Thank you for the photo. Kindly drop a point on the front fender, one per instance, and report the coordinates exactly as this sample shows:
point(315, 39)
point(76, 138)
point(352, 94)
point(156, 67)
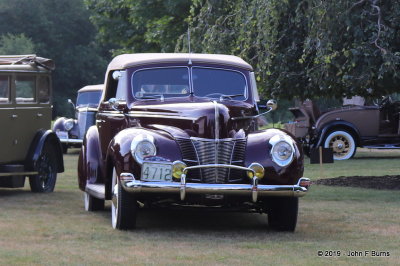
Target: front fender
point(41, 138)
point(119, 152)
point(258, 150)
point(59, 124)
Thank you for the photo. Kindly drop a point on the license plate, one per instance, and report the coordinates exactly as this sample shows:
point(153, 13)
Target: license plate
point(62, 134)
point(156, 172)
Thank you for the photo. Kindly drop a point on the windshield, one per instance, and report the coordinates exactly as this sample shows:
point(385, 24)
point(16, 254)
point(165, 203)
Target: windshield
point(214, 82)
point(175, 81)
point(88, 98)
point(164, 82)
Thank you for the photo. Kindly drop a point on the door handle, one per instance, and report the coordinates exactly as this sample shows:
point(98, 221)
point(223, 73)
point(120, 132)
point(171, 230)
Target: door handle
point(39, 115)
point(14, 116)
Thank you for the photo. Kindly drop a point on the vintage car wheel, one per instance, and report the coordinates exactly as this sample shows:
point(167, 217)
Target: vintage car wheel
point(123, 206)
point(342, 143)
point(46, 166)
point(282, 213)
point(93, 203)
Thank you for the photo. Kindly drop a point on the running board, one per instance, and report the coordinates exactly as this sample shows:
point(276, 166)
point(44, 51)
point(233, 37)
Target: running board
point(383, 146)
point(96, 190)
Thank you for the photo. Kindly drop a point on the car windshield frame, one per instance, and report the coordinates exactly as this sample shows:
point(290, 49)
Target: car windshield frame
point(192, 90)
point(88, 104)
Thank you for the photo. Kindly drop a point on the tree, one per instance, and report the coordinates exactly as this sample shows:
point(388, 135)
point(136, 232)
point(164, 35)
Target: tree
point(16, 44)
point(140, 26)
point(60, 30)
point(305, 48)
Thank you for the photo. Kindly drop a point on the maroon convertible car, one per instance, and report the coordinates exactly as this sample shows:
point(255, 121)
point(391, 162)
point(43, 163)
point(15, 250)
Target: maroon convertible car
point(181, 130)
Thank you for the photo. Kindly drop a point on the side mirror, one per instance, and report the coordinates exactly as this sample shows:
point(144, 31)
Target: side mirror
point(115, 103)
point(272, 104)
point(71, 102)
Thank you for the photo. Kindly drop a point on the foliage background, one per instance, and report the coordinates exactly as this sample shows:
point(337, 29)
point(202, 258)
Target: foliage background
point(299, 48)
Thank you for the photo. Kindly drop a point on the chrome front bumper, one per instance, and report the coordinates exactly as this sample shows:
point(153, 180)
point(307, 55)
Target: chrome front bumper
point(253, 190)
point(71, 141)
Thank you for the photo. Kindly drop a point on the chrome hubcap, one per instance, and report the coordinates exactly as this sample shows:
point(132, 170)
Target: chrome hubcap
point(340, 145)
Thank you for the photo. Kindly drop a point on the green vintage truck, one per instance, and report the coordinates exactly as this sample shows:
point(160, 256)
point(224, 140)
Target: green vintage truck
point(28, 147)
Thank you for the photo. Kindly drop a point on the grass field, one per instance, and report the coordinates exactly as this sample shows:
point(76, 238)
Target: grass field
point(53, 229)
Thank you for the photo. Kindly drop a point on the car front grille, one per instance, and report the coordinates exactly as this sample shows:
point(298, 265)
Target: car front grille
point(198, 151)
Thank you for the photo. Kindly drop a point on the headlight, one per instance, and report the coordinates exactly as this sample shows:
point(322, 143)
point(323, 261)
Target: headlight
point(68, 124)
point(143, 146)
point(282, 150)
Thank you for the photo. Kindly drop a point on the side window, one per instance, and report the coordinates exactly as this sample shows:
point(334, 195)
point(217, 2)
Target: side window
point(121, 88)
point(111, 87)
point(25, 89)
point(4, 89)
point(43, 89)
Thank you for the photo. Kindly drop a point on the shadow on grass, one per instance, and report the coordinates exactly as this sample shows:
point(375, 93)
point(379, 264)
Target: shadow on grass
point(10, 192)
point(198, 222)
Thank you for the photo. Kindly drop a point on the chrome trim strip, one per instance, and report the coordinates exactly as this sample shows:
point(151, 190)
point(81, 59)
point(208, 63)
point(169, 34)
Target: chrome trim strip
point(139, 187)
point(72, 141)
point(136, 114)
point(218, 166)
point(216, 136)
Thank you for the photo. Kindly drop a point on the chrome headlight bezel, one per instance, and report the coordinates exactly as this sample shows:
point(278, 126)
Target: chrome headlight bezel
point(277, 142)
point(68, 124)
point(138, 142)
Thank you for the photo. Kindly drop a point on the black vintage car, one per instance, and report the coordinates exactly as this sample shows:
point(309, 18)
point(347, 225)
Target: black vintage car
point(181, 130)
point(28, 147)
point(72, 131)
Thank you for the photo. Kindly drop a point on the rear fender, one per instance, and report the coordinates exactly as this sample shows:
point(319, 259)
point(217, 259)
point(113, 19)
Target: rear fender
point(338, 125)
point(41, 138)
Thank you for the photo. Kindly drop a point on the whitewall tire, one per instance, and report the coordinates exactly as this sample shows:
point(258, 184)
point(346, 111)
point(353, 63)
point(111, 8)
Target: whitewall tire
point(342, 143)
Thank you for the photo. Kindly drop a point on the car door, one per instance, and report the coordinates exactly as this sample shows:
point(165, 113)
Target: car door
point(111, 120)
point(32, 110)
point(7, 116)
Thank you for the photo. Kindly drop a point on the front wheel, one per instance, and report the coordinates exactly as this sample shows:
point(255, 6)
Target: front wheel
point(123, 206)
point(282, 213)
point(46, 166)
point(342, 143)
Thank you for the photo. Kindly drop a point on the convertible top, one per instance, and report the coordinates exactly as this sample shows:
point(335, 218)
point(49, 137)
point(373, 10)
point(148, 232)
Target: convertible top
point(129, 60)
point(31, 60)
point(97, 87)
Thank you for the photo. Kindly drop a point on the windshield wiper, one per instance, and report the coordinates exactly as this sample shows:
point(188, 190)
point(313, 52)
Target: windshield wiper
point(232, 96)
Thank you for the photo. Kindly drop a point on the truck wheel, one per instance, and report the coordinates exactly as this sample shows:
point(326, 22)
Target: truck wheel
point(46, 166)
point(342, 143)
point(282, 213)
point(93, 203)
point(123, 206)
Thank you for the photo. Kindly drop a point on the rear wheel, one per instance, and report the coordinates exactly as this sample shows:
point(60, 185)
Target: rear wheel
point(282, 213)
point(342, 143)
point(46, 167)
point(123, 206)
point(92, 203)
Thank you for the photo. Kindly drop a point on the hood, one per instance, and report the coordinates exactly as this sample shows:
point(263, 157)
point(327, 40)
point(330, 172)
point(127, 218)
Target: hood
point(196, 117)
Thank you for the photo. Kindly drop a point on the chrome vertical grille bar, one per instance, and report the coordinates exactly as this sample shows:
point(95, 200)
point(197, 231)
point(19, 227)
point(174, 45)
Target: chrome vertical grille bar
point(198, 151)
